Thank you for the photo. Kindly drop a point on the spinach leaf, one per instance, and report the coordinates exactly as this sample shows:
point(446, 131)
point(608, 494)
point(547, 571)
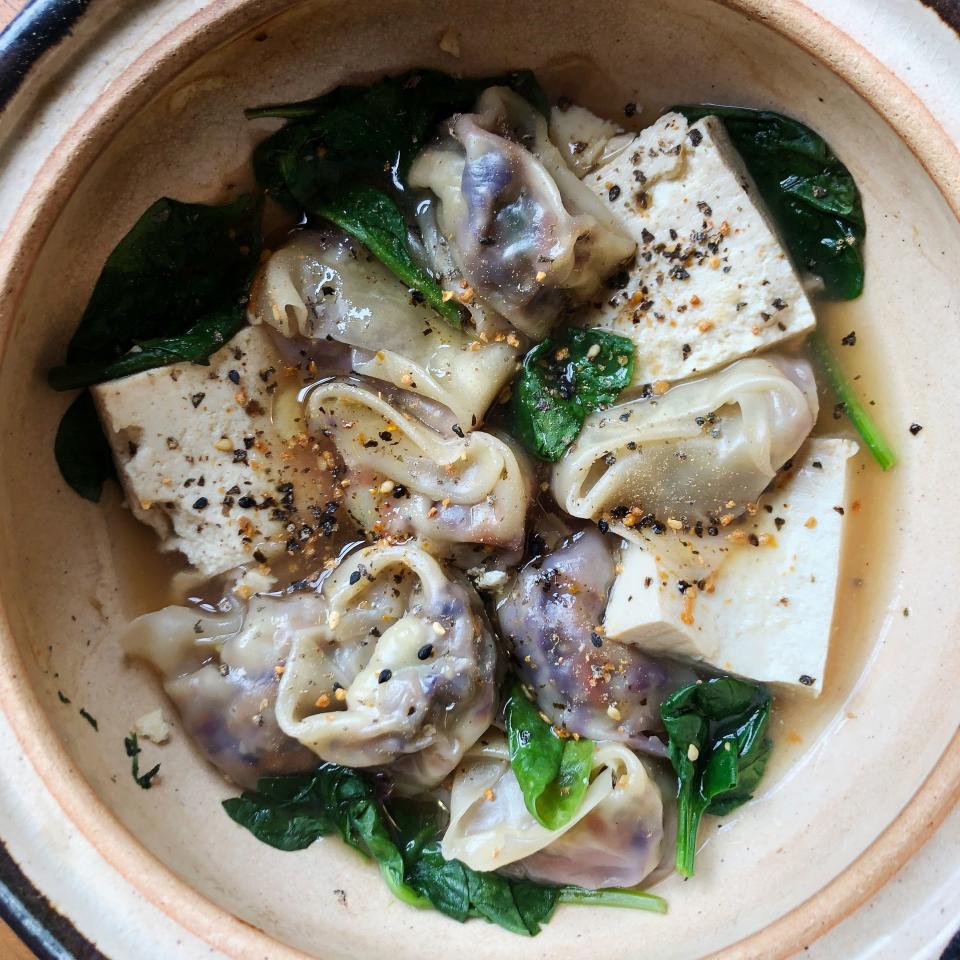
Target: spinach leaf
point(133, 749)
point(195, 344)
point(172, 289)
point(553, 774)
point(562, 381)
point(810, 193)
point(372, 218)
point(353, 135)
point(719, 749)
point(401, 836)
point(349, 133)
point(81, 449)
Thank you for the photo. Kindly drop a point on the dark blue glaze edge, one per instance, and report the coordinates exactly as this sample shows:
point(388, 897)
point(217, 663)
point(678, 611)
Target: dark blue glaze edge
point(39, 27)
point(30, 915)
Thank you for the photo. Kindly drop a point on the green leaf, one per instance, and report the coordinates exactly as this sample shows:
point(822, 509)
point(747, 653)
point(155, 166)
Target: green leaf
point(291, 812)
point(350, 133)
point(180, 266)
point(810, 193)
point(195, 344)
point(553, 774)
point(372, 218)
point(82, 452)
point(561, 383)
point(719, 749)
point(852, 405)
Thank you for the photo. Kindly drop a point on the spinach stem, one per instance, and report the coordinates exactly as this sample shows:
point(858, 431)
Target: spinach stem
point(688, 824)
point(614, 897)
point(852, 405)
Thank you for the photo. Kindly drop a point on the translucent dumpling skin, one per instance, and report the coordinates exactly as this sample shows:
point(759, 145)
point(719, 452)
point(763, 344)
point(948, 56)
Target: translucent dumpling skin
point(527, 235)
point(704, 450)
point(323, 286)
point(613, 839)
point(551, 622)
point(400, 672)
point(221, 672)
point(407, 478)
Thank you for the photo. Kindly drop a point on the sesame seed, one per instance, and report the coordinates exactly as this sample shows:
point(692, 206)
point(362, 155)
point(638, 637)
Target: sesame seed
point(692, 753)
point(384, 676)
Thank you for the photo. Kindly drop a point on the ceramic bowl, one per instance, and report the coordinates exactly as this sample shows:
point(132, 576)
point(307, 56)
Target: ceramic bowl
point(143, 101)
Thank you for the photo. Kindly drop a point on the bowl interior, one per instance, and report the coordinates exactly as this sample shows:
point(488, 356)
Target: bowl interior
point(72, 572)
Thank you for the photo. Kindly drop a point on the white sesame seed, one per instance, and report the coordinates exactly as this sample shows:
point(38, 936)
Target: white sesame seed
point(593, 351)
point(438, 629)
point(613, 713)
point(692, 753)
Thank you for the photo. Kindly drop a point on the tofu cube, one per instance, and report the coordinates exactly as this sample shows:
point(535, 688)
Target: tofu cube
point(200, 458)
point(764, 611)
point(711, 282)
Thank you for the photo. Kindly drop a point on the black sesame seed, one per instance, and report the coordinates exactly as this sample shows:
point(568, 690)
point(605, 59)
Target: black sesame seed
point(200, 503)
point(629, 109)
point(354, 577)
point(613, 193)
point(778, 522)
point(850, 339)
point(384, 676)
point(425, 652)
point(458, 430)
point(807, 680)
point(400, 490)
point(246, 502)
point(754, 540)
point(596, 639)
point(915, 428)
point(603, 526)
point(234, 376)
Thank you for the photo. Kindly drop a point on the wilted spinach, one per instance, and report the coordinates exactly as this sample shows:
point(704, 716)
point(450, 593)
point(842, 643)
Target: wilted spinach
point(333, 144)
point(562, 381)
point(173, 289)
point(401, 836)
point(719, 749)
point(81, 449)
point(810, 193)
point(553, 774)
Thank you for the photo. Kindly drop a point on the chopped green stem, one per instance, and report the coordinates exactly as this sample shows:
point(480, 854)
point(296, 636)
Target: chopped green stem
point(614, 897)
point(852, 405)
point(688, 824)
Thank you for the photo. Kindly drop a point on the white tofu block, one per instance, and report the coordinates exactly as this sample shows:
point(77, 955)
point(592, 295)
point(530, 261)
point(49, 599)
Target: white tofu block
point(764, 608)
point(200, 459)
point(711, 282)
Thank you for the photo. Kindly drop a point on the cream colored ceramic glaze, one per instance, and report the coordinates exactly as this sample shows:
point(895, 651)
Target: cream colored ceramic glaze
point(846, 770)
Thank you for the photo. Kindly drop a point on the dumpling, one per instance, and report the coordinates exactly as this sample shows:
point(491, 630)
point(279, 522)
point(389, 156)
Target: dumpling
point(527, 235)
point(401, 672)
point(406, 478)
point(702, 452)
point(324, 286)
point(613, 840)
point(221, 670)
point(552, 624)
point(585, 140)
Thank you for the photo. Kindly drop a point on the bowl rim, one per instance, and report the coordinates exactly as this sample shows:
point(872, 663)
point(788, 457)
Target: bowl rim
point(20, 245)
